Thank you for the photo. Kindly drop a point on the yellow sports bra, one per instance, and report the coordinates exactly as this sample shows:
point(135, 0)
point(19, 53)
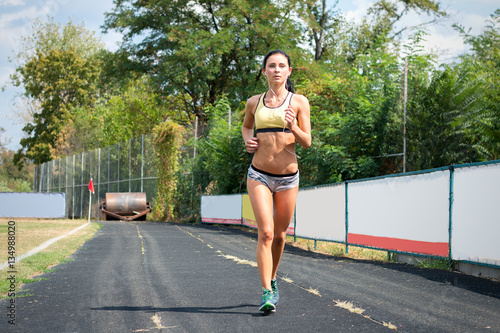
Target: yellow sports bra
point(269, 119)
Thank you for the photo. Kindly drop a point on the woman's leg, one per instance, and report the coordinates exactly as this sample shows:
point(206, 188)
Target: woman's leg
point(284, 206)
point(262, 205)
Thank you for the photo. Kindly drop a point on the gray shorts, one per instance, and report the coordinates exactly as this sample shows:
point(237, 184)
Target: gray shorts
point(275, 183)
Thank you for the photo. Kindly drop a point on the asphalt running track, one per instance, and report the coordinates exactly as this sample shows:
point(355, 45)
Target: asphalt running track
point(164, 277)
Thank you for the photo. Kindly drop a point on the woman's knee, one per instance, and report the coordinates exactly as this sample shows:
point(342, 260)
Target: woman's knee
point(279, 238)
point(266, 236)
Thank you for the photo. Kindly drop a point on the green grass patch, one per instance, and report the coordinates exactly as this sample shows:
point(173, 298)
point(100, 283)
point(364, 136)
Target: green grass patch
point(30, 234)
point(443, 264)
point(339, 250)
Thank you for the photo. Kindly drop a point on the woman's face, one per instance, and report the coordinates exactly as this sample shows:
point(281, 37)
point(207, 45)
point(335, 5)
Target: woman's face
point(277, 69)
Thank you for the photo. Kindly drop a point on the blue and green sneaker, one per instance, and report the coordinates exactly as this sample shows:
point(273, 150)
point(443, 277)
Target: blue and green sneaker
point(267, 301)
point(276, 295)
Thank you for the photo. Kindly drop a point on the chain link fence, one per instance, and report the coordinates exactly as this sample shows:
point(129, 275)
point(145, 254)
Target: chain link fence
point(123, 167)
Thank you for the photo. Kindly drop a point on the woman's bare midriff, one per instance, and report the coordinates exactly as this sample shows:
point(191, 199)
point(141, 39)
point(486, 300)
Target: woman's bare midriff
point(271, 155)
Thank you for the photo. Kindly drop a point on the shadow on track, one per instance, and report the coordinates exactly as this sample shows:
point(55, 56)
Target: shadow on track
point(187, 309)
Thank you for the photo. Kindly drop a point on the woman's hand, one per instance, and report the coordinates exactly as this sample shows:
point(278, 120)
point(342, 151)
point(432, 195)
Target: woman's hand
point(301, 128)
point(290, 117)
point(252, 144)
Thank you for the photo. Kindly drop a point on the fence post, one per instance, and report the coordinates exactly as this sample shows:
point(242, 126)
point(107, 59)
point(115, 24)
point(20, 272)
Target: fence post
point(346, 219)
point(66, 183)
point(73, 192)
point(98, 182)
point(81, 187)
point(118, 178)
point(109, 168)
point(450, 221)
point(129, 165)
point(142, 163)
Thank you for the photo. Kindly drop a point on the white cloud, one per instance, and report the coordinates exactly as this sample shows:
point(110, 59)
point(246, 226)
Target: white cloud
point(361, 7)
point(12, 3)
point(15, 24)
point(7, 19)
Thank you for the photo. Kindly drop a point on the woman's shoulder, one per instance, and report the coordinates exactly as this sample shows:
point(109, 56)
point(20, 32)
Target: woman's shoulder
point(253, 101)
point(301, 100)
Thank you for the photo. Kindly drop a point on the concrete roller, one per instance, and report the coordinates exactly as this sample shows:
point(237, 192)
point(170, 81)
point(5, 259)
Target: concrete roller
point(126, 206)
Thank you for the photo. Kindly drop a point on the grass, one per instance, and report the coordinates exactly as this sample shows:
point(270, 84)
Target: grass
point(443, 264)
point(30, 233)
point(339, 250)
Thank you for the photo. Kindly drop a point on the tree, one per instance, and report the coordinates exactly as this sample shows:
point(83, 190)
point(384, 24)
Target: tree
point(481, 122)
point(393, 11)
point(59, 80)
point(320, 23)
point(200, 50)
point(47, 35)
point(135, 110)
point(58, 69)
point(432, 111)
point(381, 23)
point(11, 178)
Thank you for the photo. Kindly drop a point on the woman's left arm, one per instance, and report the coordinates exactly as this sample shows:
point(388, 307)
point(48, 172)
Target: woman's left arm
point(302, 129)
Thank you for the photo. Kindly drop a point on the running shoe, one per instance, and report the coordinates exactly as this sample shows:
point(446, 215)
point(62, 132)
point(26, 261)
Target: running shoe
point(276, 294)
point(267, 301)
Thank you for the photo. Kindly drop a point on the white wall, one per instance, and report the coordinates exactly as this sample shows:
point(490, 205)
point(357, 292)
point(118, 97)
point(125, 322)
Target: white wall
point(33, 205)
point(221, 208)
point(405, 213)
point(476, 214)
point(320, 213)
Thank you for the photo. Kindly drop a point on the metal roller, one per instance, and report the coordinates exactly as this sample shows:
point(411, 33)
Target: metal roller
point(126, 206)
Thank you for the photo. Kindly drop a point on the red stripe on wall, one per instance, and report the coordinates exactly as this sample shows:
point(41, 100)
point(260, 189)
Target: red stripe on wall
point(398, 244)
point(220, 221)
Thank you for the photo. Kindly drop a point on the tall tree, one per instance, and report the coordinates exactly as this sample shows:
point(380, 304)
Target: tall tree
point(394, 11)
point(47, 35)
point(382, 23)
point(481, 121)
point(60, 80)
point(200, 50)
point(57, 67)
point(320, 21)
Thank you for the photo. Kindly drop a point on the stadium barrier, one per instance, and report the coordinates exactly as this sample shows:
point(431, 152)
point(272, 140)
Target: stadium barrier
point(451, 212)
point(32, 205)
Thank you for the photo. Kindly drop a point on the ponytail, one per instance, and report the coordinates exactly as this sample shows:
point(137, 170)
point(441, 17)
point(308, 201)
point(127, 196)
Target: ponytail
point(289, 86)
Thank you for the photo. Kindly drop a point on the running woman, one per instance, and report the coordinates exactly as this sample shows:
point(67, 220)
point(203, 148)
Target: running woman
point(281, 118)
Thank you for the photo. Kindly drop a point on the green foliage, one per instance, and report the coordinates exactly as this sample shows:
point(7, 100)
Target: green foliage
point(46, 36)
point(222, 158)
point(11, 178)
point(167, 141)
point(481, 120)
point(132, 112)
point(352, 115)
point(201, 50)
point(57, 68)
point(59, 80)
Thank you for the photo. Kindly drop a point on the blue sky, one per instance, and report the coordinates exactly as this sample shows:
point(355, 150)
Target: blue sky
point(17, 16)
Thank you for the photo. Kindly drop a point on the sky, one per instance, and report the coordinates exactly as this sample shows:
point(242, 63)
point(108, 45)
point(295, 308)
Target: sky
point(17, 16)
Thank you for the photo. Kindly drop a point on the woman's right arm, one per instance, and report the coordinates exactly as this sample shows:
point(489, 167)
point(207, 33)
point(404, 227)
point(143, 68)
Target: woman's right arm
point(251, 142)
